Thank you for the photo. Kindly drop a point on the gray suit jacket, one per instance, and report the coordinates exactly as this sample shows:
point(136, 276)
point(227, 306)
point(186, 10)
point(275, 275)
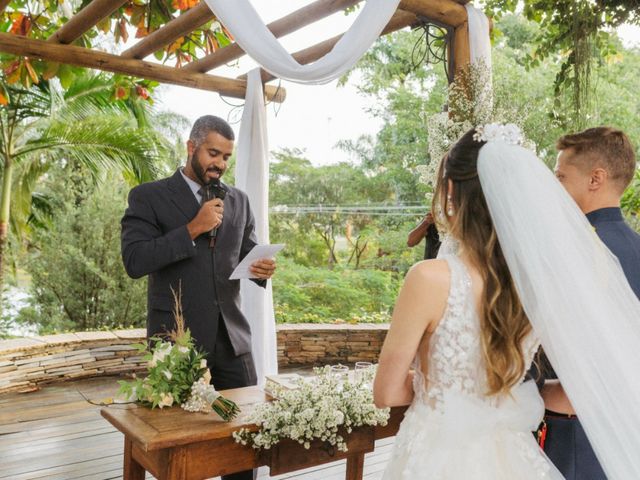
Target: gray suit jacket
point(155, 242)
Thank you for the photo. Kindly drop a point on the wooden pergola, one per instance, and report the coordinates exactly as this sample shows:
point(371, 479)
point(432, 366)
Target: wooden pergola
point(59, 47)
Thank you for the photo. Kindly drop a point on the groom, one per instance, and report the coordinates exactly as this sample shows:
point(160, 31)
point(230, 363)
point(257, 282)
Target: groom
point(595, 167)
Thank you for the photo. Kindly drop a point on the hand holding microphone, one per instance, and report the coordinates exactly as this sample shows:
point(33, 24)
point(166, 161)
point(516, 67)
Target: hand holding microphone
point(210, 216)
point(215, 192)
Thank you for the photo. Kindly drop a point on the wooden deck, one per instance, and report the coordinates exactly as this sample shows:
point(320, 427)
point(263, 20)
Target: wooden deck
point(55, 434)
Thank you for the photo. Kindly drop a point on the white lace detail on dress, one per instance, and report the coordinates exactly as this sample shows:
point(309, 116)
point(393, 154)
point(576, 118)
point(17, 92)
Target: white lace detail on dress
point(452, 430)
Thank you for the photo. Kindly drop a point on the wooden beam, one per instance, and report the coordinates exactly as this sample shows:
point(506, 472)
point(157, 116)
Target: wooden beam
point(284, 26)
point(83, 57)
point(461, 49)
point(176, 28)
point(398, 21)
point(84, 20)
point(4, 4)
point(447, 12)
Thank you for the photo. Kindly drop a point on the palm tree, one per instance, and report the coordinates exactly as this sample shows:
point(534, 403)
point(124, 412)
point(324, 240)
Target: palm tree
point(82, 125)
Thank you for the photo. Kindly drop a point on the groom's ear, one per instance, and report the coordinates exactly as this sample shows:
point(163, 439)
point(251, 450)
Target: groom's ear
point(598, 178)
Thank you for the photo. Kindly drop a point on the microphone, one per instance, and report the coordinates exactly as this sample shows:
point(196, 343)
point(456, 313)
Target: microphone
point(214, 190)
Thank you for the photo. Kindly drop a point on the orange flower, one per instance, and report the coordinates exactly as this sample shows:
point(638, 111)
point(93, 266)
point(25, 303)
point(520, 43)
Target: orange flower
point(184, 4)
point(142, 92)
point(121, 93)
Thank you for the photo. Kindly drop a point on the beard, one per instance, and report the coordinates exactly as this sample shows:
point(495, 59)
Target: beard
point(199, 170)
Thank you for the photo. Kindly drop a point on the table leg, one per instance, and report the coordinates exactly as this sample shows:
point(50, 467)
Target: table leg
point(355, 467)
point(132, 469)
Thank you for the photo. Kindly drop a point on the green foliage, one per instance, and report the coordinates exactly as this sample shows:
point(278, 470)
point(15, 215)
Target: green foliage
point(78, 281)
point(315, 295)
point(173, 370)
point(308, 201)
point(575, 34)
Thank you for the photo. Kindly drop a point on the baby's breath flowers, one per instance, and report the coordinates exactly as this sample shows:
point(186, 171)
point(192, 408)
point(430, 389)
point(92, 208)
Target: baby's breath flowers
point(321, 408)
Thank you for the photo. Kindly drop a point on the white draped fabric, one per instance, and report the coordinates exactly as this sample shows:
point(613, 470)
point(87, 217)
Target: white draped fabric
point(479, 41)
point(252, 176)
point(259, 43)
point(480, 55)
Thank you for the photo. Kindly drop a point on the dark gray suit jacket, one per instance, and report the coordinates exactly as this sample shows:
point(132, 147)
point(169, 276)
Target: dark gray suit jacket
point(155, 242)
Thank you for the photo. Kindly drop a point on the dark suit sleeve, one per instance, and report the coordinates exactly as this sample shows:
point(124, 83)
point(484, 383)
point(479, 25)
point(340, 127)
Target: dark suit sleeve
point(145, 248)
point(249, 239)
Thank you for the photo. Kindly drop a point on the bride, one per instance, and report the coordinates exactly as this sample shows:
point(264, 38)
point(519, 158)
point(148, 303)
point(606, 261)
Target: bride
point(529, 270)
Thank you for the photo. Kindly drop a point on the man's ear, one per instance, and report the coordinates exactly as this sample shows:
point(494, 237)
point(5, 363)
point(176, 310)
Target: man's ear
point(191, 148)
point(598, 178)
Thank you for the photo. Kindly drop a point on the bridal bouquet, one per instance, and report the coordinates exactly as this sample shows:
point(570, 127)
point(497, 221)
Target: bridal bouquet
point(178, 375)
point(321, 408)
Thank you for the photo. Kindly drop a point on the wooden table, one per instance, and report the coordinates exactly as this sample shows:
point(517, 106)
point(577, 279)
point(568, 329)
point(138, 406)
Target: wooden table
point(173, 444)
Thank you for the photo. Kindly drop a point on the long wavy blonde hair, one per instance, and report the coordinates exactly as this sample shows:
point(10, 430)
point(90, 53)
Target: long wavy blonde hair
point(503, 323)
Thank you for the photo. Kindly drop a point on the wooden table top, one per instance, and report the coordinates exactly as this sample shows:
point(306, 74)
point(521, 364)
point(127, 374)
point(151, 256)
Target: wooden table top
point(157, 428)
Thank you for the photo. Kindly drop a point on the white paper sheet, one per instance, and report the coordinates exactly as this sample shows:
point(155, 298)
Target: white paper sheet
point(258, 252)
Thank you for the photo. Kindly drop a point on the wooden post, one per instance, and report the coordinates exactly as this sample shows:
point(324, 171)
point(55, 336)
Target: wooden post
point(176, 28)
point(84, 57)
point(461, 52)
point(4, 4)
point(132, 469)
point(355, 467)
point(84, 20)
point(447, 12)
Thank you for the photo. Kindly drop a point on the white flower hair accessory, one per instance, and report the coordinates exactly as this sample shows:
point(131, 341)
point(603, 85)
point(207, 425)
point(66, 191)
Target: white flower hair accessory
point(496, 132)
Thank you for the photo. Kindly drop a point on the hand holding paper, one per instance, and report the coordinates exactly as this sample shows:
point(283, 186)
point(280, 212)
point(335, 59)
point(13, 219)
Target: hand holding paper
point(258, 263)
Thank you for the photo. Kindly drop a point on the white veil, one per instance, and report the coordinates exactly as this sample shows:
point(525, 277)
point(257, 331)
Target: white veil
point(576, 297)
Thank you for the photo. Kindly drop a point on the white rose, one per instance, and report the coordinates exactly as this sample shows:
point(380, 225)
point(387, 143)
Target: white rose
point(203, 363)
point(166, 400)
point(167, 374)
point(183, 349)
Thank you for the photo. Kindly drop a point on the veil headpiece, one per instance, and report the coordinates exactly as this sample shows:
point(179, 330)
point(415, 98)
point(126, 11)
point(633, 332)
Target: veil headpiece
point(573, 291)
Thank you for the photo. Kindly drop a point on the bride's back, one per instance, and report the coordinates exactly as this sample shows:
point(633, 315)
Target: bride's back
point(450, 359)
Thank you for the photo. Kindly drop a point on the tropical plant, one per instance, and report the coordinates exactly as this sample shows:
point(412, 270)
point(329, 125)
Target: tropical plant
point(45, 125)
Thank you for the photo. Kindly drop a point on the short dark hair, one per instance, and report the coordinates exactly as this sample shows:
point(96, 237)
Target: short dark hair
point(604, 147)
point(207, 124)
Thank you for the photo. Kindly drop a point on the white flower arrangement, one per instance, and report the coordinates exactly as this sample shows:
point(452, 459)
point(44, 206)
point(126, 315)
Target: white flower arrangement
point(177, 375)
point(495, 132)
point(321, 408)
point(470, 103)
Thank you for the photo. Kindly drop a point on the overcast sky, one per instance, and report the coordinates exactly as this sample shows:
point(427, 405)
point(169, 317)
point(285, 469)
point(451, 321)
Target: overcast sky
point(313, 117)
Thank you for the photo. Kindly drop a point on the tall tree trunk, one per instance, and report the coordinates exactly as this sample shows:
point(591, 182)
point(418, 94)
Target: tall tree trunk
point(5, 204)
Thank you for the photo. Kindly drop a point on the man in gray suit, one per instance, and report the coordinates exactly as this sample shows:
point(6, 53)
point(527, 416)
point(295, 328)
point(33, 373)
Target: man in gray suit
point(165, 235)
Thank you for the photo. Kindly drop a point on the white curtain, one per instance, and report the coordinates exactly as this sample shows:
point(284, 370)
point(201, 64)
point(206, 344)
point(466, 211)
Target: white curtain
point(252, 176)
point(259, 43)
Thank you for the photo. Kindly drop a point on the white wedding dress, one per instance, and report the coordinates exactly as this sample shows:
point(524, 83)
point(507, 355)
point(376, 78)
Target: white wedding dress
point(452, 430)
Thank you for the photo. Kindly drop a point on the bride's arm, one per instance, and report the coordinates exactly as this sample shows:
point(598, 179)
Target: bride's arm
point(420, 305)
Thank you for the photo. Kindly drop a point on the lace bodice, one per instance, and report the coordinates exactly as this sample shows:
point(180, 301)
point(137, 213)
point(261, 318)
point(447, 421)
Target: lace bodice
point(455, 353)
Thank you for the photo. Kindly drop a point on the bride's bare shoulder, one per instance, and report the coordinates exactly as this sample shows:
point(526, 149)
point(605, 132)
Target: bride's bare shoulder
point(436, 270)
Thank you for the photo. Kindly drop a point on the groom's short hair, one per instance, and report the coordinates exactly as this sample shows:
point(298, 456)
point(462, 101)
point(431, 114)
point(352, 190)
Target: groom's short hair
point(604, 147)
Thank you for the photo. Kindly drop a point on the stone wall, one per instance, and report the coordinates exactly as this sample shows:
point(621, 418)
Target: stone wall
point(26, 363)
